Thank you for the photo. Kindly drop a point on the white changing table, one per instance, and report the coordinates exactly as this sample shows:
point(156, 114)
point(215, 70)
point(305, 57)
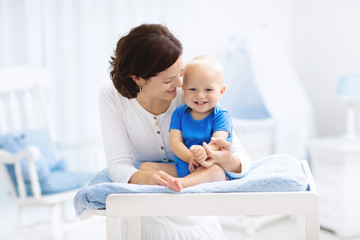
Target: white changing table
point(305, 205)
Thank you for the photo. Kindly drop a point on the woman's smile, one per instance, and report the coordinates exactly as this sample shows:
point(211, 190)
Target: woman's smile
point(171, 91)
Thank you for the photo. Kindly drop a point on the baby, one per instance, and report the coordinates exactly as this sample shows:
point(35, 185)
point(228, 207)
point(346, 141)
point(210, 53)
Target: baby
point(194, 124)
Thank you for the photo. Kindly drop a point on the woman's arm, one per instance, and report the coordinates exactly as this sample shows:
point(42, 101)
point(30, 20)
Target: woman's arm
point(117, 146)
point(240, 154)
point(223, 156)
point(216, 135)
point(236, 161)
point(232, 157)
point(199, 153)
point(116, 143)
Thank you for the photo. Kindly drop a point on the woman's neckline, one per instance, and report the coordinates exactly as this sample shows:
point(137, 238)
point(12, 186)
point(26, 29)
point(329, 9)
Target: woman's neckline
point(162, 109)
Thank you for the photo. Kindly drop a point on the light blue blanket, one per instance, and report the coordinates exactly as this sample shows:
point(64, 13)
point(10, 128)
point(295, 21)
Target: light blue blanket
point(275, 173)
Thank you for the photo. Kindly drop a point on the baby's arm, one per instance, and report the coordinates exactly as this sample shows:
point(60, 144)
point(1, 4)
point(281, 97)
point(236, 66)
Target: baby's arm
point(180, 150)
point(178, 147)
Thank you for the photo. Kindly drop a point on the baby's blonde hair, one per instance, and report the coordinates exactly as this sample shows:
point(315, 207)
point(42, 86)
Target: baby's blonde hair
point(209, 62)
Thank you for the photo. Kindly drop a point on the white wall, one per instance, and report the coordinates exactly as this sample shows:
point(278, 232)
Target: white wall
point(325, 38)
point(320, 36)
point(74, 39)
point(208, 24)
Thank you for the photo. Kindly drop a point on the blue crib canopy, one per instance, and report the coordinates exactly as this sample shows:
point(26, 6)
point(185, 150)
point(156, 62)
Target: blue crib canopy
point(261, 83)
point(242, 97)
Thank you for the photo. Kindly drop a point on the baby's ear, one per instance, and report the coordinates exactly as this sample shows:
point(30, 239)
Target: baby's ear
point(222, 90)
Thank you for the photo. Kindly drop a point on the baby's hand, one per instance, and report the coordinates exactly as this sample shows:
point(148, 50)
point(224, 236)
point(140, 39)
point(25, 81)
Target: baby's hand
point(199, 153)
point(193, 165)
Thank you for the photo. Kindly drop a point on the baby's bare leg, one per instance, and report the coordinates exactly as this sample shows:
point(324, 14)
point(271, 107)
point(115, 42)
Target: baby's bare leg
point(152, 166)
point(202, 175)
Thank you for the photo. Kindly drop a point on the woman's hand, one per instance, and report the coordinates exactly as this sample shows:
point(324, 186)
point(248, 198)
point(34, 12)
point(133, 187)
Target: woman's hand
point(157, 177)
point(223, 156)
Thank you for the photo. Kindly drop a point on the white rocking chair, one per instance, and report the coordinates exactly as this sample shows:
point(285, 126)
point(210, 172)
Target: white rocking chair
point(23, 105)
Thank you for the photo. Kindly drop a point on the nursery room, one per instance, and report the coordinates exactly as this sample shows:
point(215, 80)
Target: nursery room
point(90, 147)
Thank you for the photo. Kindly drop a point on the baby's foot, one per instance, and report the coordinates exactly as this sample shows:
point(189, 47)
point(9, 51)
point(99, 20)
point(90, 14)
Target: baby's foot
point(174, 184)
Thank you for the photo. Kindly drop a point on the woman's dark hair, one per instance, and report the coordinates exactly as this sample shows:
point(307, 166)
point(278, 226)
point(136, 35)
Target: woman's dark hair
point(144, 52)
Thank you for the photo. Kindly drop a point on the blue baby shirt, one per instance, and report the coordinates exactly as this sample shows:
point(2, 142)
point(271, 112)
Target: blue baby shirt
point(195, 132)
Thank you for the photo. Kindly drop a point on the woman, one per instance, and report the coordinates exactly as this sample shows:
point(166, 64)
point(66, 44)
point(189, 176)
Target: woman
point(135, 114)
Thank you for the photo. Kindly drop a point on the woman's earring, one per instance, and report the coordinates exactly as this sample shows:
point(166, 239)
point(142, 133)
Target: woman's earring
point(140, 88)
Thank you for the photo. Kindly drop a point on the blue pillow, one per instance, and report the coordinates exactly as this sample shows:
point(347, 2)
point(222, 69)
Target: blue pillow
point(51, 172)
point(15, 142)
point(61, 181)
point(41, 139)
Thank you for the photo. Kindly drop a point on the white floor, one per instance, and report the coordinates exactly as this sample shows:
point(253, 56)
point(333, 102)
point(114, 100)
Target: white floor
point(280, 229)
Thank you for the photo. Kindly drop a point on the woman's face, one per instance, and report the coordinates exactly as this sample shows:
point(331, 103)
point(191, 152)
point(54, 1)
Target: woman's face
point(163, 85)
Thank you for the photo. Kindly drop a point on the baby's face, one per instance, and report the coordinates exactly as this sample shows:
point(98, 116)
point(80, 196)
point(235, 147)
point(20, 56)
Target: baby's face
point(203, 88)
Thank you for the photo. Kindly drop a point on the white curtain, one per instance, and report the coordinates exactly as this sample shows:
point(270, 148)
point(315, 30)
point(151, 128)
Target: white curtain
point(283, 94)
point(262, 84)
point(74, 40)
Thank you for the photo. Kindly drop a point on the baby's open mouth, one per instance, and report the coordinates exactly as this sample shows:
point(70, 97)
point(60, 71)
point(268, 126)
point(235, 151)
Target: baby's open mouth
point(200, 103)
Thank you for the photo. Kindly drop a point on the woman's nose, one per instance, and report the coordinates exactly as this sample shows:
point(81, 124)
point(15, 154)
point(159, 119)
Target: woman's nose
point(178, 82)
